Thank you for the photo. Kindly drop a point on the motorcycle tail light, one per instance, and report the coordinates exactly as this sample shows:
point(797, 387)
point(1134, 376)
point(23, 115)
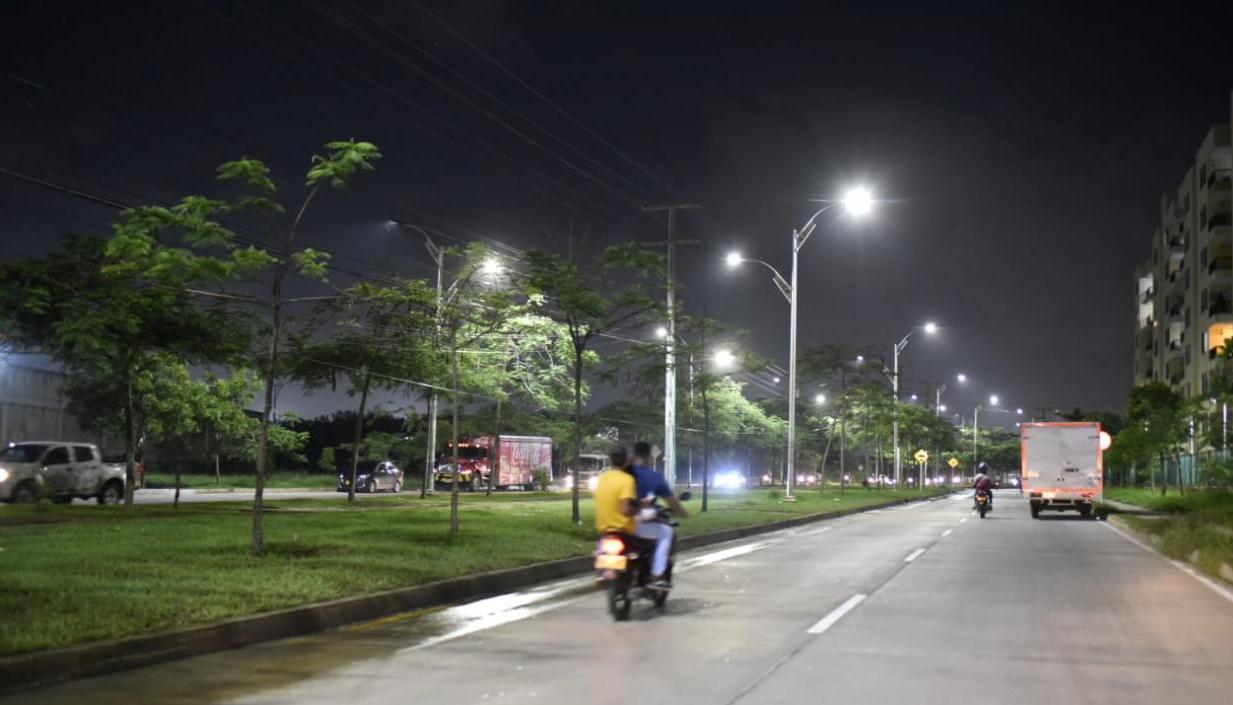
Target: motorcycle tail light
point(611, 546)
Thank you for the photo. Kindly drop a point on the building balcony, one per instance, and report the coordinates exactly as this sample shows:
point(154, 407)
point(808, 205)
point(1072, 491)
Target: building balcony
point(1221, 266)
point(1218, 306)
point(1177, 243)
point(1215, 352)
point(1219, 219)
point(1219, 178)
point(1146, 297)
point(1175, 311)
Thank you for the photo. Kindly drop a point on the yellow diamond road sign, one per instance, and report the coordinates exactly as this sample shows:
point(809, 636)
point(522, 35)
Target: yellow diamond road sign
point(953, 462)
point(922, 456)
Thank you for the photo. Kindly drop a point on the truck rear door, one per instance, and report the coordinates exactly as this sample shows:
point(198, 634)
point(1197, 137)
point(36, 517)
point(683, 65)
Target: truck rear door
point(1062, 460)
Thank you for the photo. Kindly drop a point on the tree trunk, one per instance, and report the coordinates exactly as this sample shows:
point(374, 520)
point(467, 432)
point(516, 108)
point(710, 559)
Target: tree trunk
point(366, 378)
point(575, 514)
point(826, 452)
point(218, 476)
point(175, 502)
point(454, 433)
point(843, 441)
point(267, 410)
point(130, 443)
point(494, 467)
point(1164, 485)
point(706, 448)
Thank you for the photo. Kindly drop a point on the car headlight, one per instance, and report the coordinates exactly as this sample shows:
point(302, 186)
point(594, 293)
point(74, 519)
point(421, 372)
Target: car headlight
point(4, 474)
point(593, 483)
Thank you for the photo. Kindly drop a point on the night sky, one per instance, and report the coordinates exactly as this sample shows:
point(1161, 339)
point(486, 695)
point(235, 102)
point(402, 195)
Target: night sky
point(1021, 152)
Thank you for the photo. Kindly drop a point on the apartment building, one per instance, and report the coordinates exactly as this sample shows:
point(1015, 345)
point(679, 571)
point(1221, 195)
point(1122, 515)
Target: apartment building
point(1184, 293)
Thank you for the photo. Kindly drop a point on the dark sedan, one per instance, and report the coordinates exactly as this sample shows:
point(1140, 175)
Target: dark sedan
point(373, 476)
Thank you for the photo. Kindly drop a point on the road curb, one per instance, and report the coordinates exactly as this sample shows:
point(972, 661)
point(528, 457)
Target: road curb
point(41, 668)
point(1224, 576)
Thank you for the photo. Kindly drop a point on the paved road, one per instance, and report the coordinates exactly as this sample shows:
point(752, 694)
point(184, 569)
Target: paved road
point(1057, 610)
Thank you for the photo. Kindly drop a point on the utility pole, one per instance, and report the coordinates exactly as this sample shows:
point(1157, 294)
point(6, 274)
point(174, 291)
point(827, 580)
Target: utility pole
point(430, 455)
point(670, 338)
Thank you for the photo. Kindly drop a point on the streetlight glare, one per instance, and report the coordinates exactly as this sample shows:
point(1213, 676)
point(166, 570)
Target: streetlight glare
point(661, 332)
point(858, 201)
point(734, 259)
point(1019, 412)
point(775, 380)
point(724, 358)
point(491, 266)
point(860, 358)
point(820, 399)
point(961, 377)
point(913, 397)
point(931, 328)
point(993, 400)
point(942, 408)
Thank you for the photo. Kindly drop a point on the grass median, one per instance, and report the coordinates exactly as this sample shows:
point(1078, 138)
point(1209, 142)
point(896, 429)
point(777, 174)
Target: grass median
point(1195, 527)
point(102, 572)
point(276, 480)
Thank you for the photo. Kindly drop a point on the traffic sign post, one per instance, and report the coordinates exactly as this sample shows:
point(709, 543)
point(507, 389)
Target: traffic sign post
point(922, 457)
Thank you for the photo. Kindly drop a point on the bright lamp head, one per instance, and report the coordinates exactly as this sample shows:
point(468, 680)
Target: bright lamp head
point(931, 328)
point(734, 259)
point(858, 201)
point(724, 359)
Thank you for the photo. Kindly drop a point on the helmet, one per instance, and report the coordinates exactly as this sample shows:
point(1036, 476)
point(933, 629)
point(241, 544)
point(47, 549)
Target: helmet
point(982, 467)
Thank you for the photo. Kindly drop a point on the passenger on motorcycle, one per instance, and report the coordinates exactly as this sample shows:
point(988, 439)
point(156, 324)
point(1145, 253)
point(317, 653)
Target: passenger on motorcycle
point(983, 483)
point(650, 486)
point(616, 496)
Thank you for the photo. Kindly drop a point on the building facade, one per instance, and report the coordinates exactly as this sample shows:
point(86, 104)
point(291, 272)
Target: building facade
point(32, 404)
point(1184, 292)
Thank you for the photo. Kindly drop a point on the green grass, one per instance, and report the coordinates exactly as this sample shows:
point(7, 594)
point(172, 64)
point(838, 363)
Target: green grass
point(162, 480)
point(101, 572)
point(1197, 526)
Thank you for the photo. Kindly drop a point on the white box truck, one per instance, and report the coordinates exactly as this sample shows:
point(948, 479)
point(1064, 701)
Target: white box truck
point(1062, 466)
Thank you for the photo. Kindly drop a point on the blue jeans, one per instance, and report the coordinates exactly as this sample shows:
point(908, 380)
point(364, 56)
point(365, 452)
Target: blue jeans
point(661, 534)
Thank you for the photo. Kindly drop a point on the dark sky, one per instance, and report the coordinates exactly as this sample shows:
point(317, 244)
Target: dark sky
point(1022, 150)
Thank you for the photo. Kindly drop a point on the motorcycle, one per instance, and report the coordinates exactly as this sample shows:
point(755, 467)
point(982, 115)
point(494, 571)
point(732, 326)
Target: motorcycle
point(982, 503)
point(623, 563)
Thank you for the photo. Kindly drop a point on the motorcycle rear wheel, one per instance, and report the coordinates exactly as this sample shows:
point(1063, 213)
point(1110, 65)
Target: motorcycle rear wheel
point(619, 600)
point(982, 511)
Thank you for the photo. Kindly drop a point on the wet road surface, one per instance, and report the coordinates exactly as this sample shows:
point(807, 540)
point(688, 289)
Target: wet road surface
point(892, 606)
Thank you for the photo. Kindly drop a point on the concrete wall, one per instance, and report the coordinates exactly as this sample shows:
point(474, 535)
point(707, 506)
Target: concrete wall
point(32, 405)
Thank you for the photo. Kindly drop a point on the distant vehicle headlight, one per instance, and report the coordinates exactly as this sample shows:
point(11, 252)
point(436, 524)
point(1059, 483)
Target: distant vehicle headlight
point(729, 480)
point(4, 474)
point(569, 482)
point(593, 483)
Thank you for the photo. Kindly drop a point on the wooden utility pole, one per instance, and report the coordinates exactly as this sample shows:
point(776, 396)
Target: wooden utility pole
point(670, 338)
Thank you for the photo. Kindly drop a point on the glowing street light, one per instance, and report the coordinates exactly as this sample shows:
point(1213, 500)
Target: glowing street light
point(491, 267)
point(856, 202)
point(724, 359)
point(661, 332)
point(820, 399)
point(961, 377)
point(929, 328)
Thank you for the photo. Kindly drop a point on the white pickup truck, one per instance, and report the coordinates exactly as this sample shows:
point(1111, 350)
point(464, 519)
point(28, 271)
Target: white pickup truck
point(1062, 466)
point(60, 470)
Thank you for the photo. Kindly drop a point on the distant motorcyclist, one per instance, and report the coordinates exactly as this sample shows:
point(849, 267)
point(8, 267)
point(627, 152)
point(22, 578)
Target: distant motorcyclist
point(983, 483)
point(651, 486)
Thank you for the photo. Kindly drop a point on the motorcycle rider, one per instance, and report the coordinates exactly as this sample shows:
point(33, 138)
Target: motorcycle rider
point(982, 483)
point(616, 496)
point(651, 485)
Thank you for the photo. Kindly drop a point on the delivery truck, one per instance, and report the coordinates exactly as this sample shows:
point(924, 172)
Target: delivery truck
point(1062, 466)
point(516, 464)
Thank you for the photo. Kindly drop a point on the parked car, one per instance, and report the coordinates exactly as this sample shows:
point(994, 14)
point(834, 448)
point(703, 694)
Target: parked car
point(62, 470)
point(372, 476)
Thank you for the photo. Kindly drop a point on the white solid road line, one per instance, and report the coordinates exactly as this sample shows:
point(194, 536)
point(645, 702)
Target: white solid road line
point(946, 533)
point(912, 506)
point(914, 555)
point(963, 520)
point(836, 614)
point(1184, 567)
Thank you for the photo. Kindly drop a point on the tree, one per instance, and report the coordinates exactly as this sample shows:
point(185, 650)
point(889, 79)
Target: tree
point(1163, 417)
point(376, 343)
point(591, 299)
point(116, 312)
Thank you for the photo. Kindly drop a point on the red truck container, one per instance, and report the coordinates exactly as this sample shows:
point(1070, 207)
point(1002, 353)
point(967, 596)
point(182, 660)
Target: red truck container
point(520, 458)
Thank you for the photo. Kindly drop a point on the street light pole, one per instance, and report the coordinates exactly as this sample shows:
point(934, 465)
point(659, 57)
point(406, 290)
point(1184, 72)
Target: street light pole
point(929, 328)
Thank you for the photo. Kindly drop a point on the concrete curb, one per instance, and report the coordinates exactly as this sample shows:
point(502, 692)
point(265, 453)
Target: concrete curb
point(1225, 575)
point(25, 671)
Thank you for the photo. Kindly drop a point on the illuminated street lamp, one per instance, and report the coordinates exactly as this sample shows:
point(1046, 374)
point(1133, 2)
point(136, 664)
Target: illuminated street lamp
point(929, 328)
point(857, 202)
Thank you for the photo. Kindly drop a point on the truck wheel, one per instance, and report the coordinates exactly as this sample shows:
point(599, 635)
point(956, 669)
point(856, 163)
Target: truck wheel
point(25, 493)
point(111, 493)
point(1085, 511)
point(1035, 512)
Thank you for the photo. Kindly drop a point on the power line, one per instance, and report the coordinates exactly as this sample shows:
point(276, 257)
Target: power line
point(487, 57)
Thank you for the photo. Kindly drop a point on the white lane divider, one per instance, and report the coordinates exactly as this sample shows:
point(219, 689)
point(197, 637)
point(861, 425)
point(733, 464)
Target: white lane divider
point(946, 533)
point(836, 614)
point(914, 555)
point(963, 520)
point(915, 505)
point(715, 557)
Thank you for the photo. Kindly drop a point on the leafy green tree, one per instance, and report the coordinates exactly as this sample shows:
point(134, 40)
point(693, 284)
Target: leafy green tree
point(1162, 416)
point(116, 312)
point(591, 299)
point(377, 342)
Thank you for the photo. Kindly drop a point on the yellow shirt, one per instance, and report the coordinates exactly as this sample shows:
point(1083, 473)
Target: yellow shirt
point(614, 485)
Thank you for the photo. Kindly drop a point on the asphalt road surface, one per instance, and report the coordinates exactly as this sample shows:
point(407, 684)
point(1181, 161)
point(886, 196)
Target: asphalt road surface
point(917, 605)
